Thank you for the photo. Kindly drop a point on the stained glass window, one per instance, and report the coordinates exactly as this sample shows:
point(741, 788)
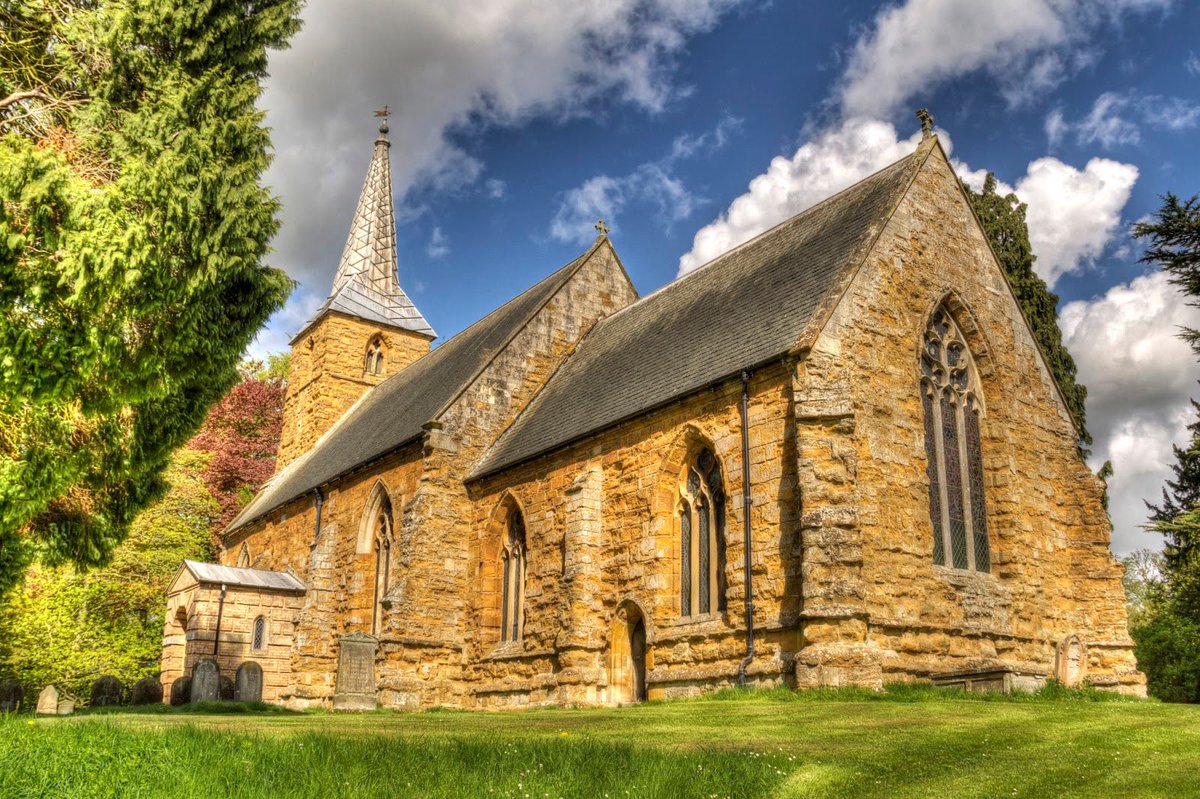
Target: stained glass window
point(702, 537)
point(952, 406)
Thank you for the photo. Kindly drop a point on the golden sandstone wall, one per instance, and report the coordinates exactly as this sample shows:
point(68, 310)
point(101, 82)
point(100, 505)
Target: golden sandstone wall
point(876, 607)
point(328, 375)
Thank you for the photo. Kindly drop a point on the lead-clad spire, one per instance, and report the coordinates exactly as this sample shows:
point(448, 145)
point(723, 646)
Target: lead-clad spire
point(366, 285)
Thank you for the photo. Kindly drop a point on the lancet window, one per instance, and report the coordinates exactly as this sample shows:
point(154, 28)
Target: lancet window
point(512, 591)
point(374, 359)
point(953, 409)
point(702, 537)
point(383, 559)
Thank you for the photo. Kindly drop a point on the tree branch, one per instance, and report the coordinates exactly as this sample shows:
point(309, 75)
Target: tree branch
point(33, 94)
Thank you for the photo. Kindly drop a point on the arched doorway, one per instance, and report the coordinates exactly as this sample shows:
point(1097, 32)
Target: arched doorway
point(627, 656)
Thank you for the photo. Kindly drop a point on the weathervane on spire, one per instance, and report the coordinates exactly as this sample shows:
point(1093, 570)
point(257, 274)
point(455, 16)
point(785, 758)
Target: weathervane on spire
point(384, 113)
point(926, 122)
point(603, 228)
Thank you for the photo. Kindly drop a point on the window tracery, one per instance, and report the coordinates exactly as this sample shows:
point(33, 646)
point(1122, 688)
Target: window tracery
point(383, 559)
point(702, 537)
point(374, 360)
point(952, 404)
point(512, 597)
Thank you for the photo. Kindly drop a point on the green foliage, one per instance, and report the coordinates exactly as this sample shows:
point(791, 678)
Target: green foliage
point(67, 628)
point(1003, 218)
point(1174, 244)
point(1144, 569)
point(133, 227)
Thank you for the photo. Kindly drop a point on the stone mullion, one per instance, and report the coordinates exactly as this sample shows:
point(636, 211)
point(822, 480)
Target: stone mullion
point(965, 480)
point(694, 560)
point(713, 561)
point(943, 490)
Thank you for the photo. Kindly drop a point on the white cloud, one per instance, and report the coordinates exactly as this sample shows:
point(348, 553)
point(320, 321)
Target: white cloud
point(1140, 376)
point(495, 188)
point(1110, 122)
point(449, 70)
point(1073, 213)
point(605, 197)
point(439, 244)
point(1192, 64)
point(828, 163)
point(1028, 46)
point(1107, 123)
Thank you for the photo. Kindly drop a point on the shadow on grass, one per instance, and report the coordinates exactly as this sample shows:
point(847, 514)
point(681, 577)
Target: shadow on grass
point(912, 693)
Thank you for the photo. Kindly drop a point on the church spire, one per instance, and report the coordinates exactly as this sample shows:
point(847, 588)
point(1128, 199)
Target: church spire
point(366, 285)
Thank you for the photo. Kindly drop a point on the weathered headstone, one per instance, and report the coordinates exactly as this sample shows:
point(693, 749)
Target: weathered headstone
point(147, 691)
point(181, 691)
point(226, 690)
point(48, 701)
point(206, 681)
point(355, 689)
point(66, 707)
point(12, 693)
point(106, 692)
point(248, 682)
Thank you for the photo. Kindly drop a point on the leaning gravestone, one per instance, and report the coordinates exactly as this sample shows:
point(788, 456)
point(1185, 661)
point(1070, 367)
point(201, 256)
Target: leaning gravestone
point(106, 692)
point(226, 690)
point(248, 682)
point(147, 691)
point(48, 701)
point(12, 693)
point(181, 691)
point(206, 681)
point(355, 689)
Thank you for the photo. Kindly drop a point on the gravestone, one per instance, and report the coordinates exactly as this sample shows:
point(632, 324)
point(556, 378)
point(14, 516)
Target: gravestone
point(248, 682)
point(206, 681)
point(355, 689)
point(147, 691)
point(106, 692)
point(181, 691)
point(66, 707)
point(226, 689)
point(12, 693)
point(48, 701)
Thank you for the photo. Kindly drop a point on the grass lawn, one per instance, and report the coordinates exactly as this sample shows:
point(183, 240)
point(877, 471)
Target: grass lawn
point(905, 743)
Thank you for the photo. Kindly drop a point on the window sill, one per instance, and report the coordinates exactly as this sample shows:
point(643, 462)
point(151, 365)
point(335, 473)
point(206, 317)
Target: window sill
point(700, 623)
point(963, 577)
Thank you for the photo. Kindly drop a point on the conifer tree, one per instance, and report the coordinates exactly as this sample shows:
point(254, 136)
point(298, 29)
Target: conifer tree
point(133, 229)
point(1003, 218)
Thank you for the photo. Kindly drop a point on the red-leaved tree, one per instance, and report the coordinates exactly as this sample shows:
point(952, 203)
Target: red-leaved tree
point(242, 434)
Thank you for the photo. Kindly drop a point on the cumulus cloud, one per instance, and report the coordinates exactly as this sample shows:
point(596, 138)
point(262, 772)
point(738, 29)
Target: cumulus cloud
point(495, 188)
point(654, 183)
point(1139, 376)
point(828, 163)
point(448, 70)
point(1029, 46)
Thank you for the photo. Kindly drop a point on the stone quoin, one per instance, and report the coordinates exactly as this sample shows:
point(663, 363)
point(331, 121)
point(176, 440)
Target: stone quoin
point(554, 505)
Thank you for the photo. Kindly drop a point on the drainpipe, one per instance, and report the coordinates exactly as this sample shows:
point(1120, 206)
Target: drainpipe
point(746, 502)
point(320, 505)
point(220, 610)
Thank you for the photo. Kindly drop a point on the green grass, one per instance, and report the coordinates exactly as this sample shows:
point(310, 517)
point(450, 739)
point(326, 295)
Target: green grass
point(905, 742)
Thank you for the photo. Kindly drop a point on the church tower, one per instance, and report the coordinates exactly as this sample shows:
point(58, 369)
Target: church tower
point(365, 331)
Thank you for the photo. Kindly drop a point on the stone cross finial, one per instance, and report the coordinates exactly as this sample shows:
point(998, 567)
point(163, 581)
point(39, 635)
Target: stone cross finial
point(926, 122)
point(603, 228)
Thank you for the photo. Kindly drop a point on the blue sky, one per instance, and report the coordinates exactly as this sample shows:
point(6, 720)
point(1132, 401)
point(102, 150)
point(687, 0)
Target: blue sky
point(691, 125)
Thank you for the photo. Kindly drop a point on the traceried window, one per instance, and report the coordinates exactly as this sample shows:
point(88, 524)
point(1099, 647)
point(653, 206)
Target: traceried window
point(383, 560)
point(512, 591)
point(243, 559)
point(374, 359)
point(702, 537)
point(258, 641)
point(954, 459)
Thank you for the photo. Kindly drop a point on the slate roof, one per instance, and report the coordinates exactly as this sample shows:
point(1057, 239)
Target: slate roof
point(741, 310)
point(216, 574)
point(392, 413)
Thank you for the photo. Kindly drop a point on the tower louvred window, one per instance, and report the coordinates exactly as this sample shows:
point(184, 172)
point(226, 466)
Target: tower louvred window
point(953, 410)
point(702, 537)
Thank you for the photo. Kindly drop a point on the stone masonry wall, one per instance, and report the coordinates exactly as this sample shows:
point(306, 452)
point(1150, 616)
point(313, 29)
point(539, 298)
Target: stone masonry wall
point(876, 606)
point(328, 375)
point(602, 533)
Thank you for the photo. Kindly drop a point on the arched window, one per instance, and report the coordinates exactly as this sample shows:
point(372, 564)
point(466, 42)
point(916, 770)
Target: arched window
point(374, 360)
point(243, 560)
point(258, 641)
point(512, 590)
point(954, 459)
point(382, 524)
point(702, 537)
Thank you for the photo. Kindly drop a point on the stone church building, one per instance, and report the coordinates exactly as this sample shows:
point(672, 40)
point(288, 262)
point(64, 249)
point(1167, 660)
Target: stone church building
point(832, 456)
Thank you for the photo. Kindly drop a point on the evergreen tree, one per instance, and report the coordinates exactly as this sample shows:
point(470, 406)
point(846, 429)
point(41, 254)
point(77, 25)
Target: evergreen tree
point(1003, 218)
point(133, 228)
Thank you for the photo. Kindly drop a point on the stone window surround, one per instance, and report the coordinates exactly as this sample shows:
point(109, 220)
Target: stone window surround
point(695, 496)
point(374, 356)
point(964, 393)
point(514, 563)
